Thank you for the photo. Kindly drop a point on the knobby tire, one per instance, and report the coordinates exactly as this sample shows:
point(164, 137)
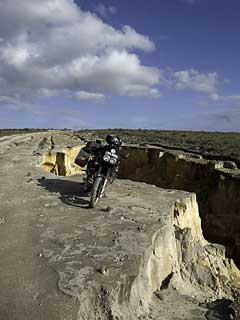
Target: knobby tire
point(96, 191)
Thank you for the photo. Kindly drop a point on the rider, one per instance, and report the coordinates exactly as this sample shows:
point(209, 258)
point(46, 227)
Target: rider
point(93, 149)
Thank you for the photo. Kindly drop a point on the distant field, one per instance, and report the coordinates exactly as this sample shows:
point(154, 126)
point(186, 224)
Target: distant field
point(9, 132)
point(210, 143)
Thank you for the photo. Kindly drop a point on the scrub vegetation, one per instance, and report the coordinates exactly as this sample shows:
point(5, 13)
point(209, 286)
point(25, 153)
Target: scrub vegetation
point(210, 143)
point(9, 132)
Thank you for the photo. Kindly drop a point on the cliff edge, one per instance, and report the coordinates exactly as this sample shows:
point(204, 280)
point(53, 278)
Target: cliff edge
point(140, 254)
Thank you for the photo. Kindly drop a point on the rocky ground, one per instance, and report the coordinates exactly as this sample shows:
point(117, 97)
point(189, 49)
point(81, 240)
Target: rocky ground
point(139, 255)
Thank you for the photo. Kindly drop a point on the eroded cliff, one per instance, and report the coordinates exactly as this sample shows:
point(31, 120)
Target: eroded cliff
point(216, 183)
point(140, 254)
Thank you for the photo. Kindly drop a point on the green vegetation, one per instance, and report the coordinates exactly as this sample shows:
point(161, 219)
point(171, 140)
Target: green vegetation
point(10, 132)
point(210, 143)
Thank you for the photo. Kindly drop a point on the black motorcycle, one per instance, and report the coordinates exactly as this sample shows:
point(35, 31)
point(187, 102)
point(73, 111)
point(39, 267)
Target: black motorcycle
point(105, 170)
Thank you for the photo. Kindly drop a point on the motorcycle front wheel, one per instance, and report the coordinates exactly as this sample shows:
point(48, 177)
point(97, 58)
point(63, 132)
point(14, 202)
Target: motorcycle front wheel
point(96, 191)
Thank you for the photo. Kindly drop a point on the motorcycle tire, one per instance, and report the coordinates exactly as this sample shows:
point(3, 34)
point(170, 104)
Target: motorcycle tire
point(96, 191)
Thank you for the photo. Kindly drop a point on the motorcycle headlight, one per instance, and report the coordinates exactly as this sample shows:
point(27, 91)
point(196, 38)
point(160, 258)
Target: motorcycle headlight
point(113, 161)
point(106, 158)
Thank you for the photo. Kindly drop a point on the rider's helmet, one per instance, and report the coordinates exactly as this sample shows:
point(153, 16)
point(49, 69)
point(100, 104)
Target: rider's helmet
point(113, 140)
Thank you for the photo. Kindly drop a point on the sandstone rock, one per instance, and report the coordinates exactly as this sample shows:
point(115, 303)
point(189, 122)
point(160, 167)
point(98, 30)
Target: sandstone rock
point(218, 164)
point(230, 165)
point(217, 189)
point(62, 162)
point(2, 220)
point(216, 249)
point(103, 270)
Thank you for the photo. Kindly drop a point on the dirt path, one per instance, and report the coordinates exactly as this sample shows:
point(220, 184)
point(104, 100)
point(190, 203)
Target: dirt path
point(27, 284)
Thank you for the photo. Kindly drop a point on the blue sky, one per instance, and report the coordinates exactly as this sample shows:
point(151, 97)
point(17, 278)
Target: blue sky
point(162, 64)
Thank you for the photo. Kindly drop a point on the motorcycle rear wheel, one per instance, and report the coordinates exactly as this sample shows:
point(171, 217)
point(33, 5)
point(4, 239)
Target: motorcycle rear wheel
point(96, 191)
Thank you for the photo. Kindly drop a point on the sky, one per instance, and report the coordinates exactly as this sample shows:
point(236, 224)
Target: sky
point(156, 64)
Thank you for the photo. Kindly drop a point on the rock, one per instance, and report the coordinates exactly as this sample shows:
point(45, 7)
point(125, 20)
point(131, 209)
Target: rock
point(62, 162)
point(28, 177)
point(2, 220)
point(120, 258)
point(159, 295)
point(216, 249)
point(107, 209)
point(218, 164)
point(141, 228)
point(189, 156)
point(44, 143)
point(103, 270)
point(230, 165)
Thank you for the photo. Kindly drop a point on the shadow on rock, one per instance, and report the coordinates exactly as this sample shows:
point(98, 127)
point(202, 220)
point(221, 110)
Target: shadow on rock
point(71, 192)
point(220, 310)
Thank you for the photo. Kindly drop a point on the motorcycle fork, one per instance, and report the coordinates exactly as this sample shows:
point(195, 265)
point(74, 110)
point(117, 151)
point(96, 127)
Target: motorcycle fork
point(104, 184)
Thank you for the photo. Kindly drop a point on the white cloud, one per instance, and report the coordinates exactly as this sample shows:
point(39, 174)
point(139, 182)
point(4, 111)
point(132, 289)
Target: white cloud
point(207, 83)
point(233, 100)
point(52, 46)
point(141, 90)
point(84, 95)
point(105, 11)
point(196, 81)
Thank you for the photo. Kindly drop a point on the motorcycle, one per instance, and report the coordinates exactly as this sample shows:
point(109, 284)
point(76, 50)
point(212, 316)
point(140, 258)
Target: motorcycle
point(106, 166)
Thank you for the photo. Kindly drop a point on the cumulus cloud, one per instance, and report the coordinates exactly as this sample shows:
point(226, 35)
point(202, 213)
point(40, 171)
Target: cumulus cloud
point(206, 83)
point(196, 81)
point(84, 95)
point(105, 11)
point(49, 47)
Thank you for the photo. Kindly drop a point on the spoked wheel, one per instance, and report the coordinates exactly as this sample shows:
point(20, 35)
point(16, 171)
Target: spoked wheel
point(96, 191)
